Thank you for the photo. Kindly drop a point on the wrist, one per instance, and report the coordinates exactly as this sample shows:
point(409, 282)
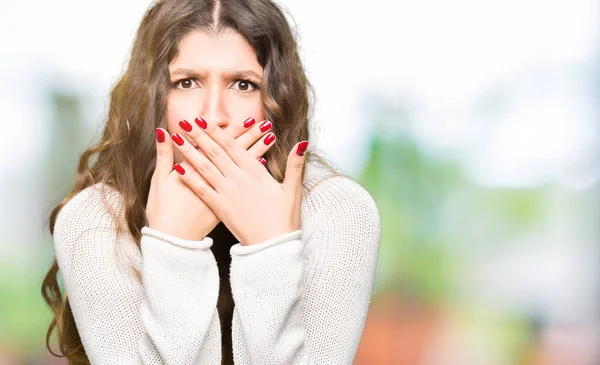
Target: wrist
point(241, 249)
point(193, 243)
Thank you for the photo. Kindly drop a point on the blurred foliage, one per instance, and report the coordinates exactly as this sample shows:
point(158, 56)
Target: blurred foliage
point(26, 316)
point(69, 137)
point(430, 211)
point(408, 188)
point(434, 221)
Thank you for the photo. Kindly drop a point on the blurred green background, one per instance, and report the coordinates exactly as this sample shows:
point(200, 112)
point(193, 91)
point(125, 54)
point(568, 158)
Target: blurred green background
point(474, 127)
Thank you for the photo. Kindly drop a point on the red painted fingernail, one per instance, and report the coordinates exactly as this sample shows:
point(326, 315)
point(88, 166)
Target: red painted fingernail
point(249, 122)
point(265, 126)
point(201, 123)
point(262, 161)
point(302, 148)
point(177, 139)
point(185, 125)
point(179, 169)
point(270, 138)
point(160, 135)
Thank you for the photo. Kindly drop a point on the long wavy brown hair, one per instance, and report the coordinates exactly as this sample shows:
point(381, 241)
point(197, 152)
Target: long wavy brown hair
point(125, 157)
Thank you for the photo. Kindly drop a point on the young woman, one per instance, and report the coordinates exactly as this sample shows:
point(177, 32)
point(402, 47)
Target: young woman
point(180, 243)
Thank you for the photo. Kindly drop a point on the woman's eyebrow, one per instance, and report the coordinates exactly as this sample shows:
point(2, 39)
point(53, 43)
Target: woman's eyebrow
point(241, 74)
point(186, 72)
point(233, 75)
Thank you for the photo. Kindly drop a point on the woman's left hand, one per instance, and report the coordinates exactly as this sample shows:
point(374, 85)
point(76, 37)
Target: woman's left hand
point(238, 188)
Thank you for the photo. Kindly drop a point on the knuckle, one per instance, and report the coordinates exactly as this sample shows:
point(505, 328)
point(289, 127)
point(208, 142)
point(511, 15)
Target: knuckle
point(245, 142)
point(201, 190)
point(227, 145)
point(254, 152)
point(204, 167)
point(213, 152)
point(297, 164)
point(162, 151)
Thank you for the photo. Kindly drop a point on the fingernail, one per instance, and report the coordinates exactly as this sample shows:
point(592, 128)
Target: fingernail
point(179, 169)
point(201, 123)
point(265, 126)
point(270, 138)
point(262, 161)
point(160, 135)
point(302, 148)
point(185, 125)
point(249, 122)
point(177, 139)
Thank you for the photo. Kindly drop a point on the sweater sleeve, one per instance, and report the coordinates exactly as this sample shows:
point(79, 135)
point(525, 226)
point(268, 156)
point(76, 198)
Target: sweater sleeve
point(169, 318)
point(303, 297)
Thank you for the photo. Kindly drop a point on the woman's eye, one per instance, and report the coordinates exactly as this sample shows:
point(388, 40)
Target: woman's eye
point(185, 83)
point(245, 86)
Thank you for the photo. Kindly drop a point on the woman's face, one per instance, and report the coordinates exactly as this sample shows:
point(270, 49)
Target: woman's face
point(215, 77)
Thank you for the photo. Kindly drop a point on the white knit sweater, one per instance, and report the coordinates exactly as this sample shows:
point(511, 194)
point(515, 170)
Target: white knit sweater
point(300, 298)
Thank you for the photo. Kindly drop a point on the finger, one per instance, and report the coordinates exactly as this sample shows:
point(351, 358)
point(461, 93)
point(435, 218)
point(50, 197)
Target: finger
point(253, 134)
point(292, 181)
point(214, 141)
point(200, 162)
point(249, 133)
point(218, 155)
point(236, 132)
point(262, 146)
point(164, 156)
point(188, 174)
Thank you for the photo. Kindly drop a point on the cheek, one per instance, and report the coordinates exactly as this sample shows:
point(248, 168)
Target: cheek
point(178, 108)
point(243, 109)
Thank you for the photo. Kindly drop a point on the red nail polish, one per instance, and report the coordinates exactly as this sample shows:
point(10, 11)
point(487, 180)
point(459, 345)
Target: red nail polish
point(201, 123)
point(160, 135)
point(265, 126)
point(302, 148)
point(177, 139)
point(262, 161)
point(270, 138)
point(185, 125)
point(179, 169)
point(249, 122)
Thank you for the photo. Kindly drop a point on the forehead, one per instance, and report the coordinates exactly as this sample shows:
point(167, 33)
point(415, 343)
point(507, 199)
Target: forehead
point(225, 51)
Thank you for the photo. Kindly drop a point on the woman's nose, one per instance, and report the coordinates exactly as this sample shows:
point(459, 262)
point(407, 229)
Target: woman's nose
point(221, 122)
point(216, 109)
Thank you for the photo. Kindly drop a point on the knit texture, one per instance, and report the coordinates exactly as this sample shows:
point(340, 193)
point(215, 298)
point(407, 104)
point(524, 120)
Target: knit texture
point(300, 298)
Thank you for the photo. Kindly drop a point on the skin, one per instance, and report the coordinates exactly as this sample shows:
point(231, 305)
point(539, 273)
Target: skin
point(211, 89)
point(218, 175)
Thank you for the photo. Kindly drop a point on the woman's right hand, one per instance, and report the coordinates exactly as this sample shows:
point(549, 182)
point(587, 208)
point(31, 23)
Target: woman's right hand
point(172, 207)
